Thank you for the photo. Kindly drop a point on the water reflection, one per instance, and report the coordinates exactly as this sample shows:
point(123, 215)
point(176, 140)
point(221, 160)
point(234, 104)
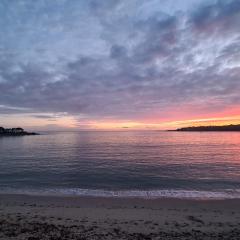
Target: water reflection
point(122, 160)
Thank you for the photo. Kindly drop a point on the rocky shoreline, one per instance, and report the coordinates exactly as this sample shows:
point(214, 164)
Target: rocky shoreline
point(35, 230)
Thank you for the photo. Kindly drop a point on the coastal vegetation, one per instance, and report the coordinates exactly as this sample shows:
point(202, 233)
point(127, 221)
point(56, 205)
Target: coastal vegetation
point(14, 132)
point(211, 128)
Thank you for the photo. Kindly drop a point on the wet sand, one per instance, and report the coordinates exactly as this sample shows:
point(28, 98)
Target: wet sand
point(39, 217)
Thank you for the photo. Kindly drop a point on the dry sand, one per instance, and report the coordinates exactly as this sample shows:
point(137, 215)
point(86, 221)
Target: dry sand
point(38, 217)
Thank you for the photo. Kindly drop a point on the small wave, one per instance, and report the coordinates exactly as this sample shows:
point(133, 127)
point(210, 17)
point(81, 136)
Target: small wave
point(146, 194)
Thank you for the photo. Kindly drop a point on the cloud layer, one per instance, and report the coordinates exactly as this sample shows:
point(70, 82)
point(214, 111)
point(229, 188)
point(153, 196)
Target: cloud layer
point(130, 60)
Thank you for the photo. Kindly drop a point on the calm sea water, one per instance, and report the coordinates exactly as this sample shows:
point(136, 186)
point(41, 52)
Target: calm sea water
point(148, 164)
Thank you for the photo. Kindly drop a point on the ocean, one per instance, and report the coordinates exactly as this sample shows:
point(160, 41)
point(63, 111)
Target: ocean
point(148, 164)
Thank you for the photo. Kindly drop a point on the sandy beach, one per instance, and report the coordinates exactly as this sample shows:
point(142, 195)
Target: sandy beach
point(41, 217)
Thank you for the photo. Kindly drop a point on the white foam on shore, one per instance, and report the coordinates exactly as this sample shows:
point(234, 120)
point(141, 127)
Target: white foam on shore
point(146, 194)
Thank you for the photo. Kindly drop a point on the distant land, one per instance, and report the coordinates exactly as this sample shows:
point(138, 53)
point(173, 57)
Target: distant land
point(15, 132)
point(210, 128)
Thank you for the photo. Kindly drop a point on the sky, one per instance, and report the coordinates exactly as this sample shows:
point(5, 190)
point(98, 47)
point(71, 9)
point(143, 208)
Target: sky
point(119, 64)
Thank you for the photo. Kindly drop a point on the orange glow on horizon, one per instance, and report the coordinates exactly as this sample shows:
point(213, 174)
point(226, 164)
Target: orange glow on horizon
point(70, 122)
point(134, 125)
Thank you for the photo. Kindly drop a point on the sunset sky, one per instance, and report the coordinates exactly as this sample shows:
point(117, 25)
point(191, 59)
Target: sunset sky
point(119, 64)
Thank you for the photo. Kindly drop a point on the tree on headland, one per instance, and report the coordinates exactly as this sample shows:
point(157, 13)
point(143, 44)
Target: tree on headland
point(14, 132)
point(210, 128)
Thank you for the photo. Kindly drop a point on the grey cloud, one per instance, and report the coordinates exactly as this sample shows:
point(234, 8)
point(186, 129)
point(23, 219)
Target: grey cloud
point(149, 65)
point(221, 17)
point(118, 51)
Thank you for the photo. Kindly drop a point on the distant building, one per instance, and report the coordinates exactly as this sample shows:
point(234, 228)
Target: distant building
point(17, 130)
point(8, 130)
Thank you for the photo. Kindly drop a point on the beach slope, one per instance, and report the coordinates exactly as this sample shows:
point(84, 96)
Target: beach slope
point(41, 217)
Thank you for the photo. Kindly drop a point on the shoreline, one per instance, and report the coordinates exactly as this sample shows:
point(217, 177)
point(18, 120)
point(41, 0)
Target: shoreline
point(21, 196)
point(78, 217)
point(128, 194)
